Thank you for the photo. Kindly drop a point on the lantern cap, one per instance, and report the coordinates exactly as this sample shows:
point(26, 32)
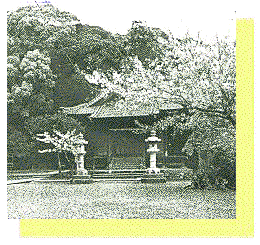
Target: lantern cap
point(153, 137)
point(153, 133)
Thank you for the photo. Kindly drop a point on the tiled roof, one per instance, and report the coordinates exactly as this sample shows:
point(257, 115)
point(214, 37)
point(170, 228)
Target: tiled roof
point(94, 109)
point(170, 106)
point(140, 109)
point(80, 109)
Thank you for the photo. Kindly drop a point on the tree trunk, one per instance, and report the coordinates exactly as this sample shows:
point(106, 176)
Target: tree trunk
point(70, 163)
point(66, 156)
point(59, 162)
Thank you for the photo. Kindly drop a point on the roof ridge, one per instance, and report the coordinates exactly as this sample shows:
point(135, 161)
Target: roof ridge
point(101, 106)
point(97, 111)
point(100, 96)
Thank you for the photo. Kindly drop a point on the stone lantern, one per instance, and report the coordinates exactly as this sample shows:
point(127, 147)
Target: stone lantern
point(82, 176)
point(79, 156)
point(153, 150)
point(153, 174)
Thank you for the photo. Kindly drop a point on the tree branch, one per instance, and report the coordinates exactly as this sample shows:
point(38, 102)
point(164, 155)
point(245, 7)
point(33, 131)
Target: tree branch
point(207, 110)
point(177, 96)
point(220, 114)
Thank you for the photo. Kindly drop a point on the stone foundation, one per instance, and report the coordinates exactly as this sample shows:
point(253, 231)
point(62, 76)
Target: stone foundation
point(153, 178)
point(81, 179)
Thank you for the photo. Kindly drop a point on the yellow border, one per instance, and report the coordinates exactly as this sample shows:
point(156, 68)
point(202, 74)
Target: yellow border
point(242, 226)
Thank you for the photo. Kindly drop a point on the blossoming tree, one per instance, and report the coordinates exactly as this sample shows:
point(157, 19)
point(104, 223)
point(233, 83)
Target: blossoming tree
point(69, 142)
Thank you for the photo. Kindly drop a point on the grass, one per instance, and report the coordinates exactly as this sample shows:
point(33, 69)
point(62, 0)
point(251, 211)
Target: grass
point(118, 201)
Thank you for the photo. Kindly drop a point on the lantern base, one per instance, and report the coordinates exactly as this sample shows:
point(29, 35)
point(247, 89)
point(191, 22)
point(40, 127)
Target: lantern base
point(82, 171)
point(153, 170)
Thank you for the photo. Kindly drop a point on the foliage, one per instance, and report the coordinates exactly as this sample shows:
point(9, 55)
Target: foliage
point(62, 142)
point(30, 84)
point(67, 43)
point(134, 84)
point(204, 75)
point(99, 49)
point(29, 27)
point(35, 68)
point(64, 42)
point(213, 140)
point(195, 75)
point(73, 90)
point(18, 145)
point(18, 99)
point(13, 71)
point(49, 123)
point(142, 41)
point(69, 142)
point(57, 124)
point(201, 78)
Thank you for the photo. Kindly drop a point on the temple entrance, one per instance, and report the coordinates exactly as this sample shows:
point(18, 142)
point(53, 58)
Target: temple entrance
point(127, 150)
point(125, 143)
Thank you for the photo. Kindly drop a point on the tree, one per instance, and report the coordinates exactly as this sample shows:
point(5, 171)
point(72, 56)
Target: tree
point(50, 123)
point(32, 91)
point(18, 146)
point(99, 49)
point(13, 71)
point(210, 145)
point(205, 76)
point(213, 141)
point(62, 143)
point(193, 74)
point(35, 68)
point(30, 27)
point(54, 61)
point(142, 41)
point(73, 90)
point(205, 87)
point(17, 100)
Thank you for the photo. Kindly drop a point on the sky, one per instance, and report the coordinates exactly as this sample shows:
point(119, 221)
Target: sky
point(206, 17)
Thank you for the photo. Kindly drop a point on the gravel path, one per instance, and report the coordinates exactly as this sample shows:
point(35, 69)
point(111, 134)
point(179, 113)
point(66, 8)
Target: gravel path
point(118, 201)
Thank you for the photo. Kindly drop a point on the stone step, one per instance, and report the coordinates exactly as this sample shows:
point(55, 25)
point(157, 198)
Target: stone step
point(53, 180)
point(127, 163)
point(116, 180)
point(118, 176)
point(137, 170)
point(50, 173)
point(153, 178)
point(20, 181)
point(115, 174)
point(82, 181)
point(81, 176)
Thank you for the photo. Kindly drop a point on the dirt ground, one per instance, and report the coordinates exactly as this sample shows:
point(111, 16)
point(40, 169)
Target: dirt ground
point(118, 201)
